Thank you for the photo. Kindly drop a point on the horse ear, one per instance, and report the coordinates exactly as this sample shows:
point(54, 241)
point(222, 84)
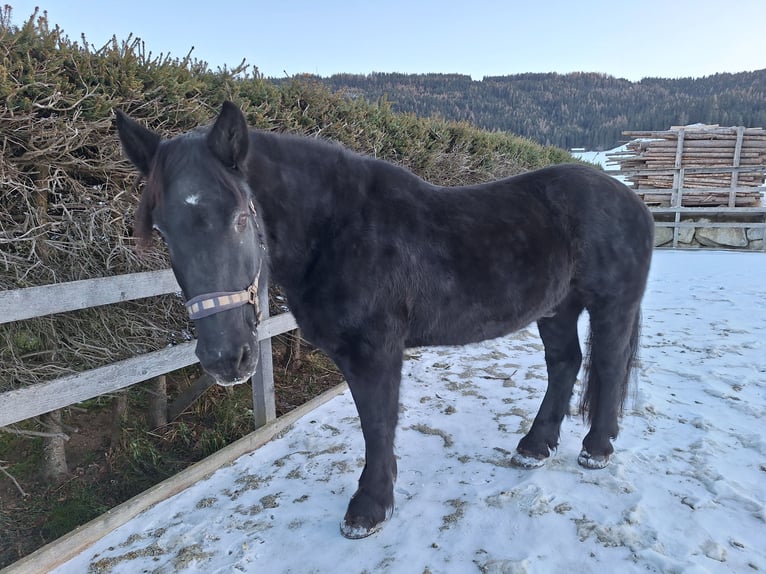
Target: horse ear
point(228, 138)
point(139, 143)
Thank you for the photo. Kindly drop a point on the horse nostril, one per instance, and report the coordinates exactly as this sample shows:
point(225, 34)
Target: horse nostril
point(245, 355)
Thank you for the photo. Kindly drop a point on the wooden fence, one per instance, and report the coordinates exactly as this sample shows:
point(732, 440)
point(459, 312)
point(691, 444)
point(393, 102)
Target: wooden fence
point(19, 404)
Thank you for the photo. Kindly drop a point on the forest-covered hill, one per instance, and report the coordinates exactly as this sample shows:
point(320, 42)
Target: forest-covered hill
point(567, 110)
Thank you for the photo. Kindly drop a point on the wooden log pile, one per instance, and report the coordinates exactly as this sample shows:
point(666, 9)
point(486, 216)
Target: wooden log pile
point(711, 165)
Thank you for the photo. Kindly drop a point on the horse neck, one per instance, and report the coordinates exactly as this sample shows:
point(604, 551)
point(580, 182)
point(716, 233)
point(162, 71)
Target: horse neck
point(297, 202)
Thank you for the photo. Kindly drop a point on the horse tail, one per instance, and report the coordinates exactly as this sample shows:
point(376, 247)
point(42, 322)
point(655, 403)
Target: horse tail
point(593, 383)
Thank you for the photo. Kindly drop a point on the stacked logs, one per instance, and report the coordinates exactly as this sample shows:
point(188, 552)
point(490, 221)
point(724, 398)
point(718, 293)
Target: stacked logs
point(712, 165)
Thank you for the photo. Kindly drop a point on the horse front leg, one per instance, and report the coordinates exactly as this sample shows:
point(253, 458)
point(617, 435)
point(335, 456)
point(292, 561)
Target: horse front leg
point(373, 376)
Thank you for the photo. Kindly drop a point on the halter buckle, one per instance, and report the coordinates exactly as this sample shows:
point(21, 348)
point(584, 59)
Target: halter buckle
point(252, 294)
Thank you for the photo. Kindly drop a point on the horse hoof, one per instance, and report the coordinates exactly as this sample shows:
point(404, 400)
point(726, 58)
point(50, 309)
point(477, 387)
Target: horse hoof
point(594, 462)
point(357, 531)
point(354, 530)
point(527, 461)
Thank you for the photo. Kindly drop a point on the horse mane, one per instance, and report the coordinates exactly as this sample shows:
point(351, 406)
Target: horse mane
point(150, 196)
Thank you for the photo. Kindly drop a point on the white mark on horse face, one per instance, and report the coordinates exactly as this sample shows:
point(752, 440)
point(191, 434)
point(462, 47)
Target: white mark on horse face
point(192, 199)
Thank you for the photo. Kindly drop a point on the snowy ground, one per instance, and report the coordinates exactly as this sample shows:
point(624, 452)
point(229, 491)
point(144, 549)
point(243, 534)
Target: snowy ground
point(686, 490)
point(600, 158)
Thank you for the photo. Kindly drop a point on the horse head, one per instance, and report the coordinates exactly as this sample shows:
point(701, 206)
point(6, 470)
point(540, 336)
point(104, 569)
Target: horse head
point(197, 197)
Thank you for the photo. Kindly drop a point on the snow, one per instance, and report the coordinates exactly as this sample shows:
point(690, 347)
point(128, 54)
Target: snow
point(685, 491)
point(600, 158)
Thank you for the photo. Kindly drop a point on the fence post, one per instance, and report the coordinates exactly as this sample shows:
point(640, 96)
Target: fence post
point(764, 233)
point(264, 402)
point(678, 184)
point(736, 165)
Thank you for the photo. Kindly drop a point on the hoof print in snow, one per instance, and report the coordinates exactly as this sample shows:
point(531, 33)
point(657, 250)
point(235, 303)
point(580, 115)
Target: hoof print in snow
point(586, 460)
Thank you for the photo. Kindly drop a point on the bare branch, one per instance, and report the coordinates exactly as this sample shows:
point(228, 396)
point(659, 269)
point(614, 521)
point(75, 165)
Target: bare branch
point(50, 102)
point(15, 482)
point(34, 433)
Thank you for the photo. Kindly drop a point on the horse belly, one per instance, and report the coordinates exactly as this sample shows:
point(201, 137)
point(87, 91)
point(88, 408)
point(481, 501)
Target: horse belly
point(463, 333)
point(463, 320)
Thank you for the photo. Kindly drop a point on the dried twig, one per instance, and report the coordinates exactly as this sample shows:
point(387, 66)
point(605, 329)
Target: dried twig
point(34, 433)
point(15, 482)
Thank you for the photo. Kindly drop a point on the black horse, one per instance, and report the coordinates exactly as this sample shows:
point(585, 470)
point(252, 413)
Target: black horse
point(373, 259)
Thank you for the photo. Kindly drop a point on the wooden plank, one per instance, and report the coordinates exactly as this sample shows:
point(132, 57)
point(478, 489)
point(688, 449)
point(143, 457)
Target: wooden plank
point(699, 144)
point(679, 148)
point(678, 182)
point(67, 547)
point(722, 190)
point(671, 171)
point(695, 181)
point(27, 402)
point(754, 225)
point(711, 210)
point(20, 304)
point(276, 325)
point(737, 159)
point(698, 197)
point(700, 132)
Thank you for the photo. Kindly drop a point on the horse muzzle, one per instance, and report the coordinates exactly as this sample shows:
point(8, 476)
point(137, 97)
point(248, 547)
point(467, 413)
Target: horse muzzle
point(233, 365)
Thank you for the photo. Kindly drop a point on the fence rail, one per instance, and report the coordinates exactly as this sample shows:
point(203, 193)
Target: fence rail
point(16, 305)
point(33, 302)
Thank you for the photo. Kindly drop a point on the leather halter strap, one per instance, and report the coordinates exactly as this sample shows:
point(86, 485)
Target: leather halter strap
point(211, 303)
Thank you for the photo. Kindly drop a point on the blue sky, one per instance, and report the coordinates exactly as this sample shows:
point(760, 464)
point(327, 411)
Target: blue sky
point(624, 38)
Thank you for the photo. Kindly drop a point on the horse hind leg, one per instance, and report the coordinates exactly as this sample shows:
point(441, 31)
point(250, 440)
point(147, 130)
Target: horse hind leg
point(613, 345)
point(563, 358)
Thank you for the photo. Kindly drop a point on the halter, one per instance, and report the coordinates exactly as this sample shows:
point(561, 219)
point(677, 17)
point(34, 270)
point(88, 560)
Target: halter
point(211, 303)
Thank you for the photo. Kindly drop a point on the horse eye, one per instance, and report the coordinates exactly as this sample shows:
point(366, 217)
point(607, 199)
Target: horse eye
point(241, 222)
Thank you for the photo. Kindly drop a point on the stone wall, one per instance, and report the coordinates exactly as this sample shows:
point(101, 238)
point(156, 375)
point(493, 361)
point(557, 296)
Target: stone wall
point(744, 237)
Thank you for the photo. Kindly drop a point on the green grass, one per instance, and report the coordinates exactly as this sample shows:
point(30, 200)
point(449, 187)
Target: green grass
point(82, 504)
